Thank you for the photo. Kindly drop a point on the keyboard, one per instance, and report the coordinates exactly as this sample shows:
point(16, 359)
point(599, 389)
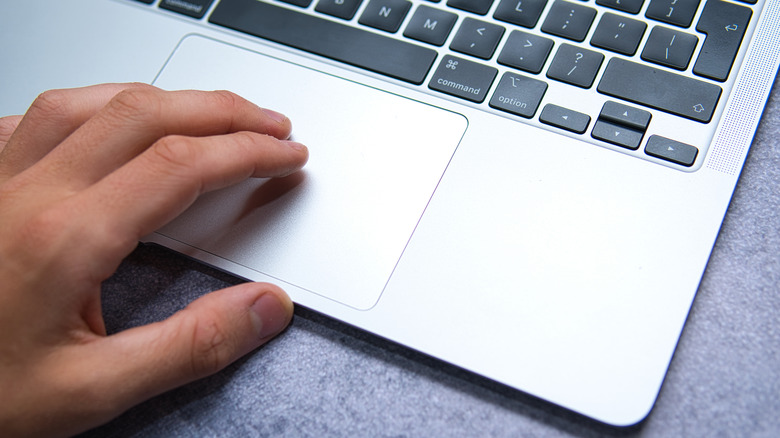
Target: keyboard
point(643, 77)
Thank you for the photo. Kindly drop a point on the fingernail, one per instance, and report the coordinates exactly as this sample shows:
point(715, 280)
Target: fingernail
point(295, 145)
point(272, 313)
point(277, 117)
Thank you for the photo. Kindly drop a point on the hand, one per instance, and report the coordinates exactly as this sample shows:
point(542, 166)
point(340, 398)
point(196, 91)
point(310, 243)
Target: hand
point(83, 175)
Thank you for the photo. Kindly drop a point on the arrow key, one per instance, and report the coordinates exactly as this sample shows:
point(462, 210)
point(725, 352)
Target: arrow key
point(670, 150)
point(625, 115)
point(620, 135)
point(564, 118)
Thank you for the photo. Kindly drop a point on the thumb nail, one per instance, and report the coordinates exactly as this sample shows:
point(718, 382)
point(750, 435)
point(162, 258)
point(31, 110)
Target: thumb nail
point(272, 314)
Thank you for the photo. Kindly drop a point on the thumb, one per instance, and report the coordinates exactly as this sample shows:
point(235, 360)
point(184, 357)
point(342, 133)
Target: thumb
point(200, 340)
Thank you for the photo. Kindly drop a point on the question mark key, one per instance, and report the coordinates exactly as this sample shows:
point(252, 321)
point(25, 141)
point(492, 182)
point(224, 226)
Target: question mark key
point(575, 65)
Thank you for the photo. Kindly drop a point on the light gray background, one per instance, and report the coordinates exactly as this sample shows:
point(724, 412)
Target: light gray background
point(322, 378)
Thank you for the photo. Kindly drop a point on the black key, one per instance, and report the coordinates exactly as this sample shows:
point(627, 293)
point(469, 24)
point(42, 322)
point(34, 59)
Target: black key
point(669, 48)
point(525, 51)
point(192, 8)
point(575, 66)
point(659, 89)
point(619, 34)
point(430, 25)
point(338, 8)
point(518, 95)
point(630, 6)
point(616, 134)
point(477, 38)
point(625, 115)
point(476, 6)
point(725, 24)
point(520, 12)
point(564, 118)
point(569, 20)
point(148, 2)
point(677, 12)
point(385, 14)
point(461, 78)
point(301, 3)
point(670, 150)
point(361, 48)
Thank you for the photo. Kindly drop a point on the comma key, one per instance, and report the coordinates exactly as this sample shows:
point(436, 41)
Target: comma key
point(462, 78)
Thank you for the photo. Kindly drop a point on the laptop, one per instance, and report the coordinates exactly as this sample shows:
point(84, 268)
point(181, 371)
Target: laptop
point(526, 189)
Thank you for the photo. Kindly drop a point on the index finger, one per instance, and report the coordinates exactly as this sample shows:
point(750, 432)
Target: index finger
point(136, 118)
point(162, 182)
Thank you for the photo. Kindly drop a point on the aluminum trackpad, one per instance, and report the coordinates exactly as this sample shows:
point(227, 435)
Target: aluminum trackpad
point(338, 228)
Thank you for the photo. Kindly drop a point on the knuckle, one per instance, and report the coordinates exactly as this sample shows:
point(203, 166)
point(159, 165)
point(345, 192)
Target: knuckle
point(212, 349)
point(175, 152)
point(42, 228)
point(54, 106)
point(136, 103)
point(227, 99)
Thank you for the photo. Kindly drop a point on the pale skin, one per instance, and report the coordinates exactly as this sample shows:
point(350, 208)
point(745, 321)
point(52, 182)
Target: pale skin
point(83, 175)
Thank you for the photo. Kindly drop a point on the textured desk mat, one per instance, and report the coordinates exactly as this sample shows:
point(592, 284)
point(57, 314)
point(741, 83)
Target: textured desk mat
point(322, 378)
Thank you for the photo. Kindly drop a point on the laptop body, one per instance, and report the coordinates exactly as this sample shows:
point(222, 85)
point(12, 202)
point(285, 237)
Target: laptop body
point(551, 261)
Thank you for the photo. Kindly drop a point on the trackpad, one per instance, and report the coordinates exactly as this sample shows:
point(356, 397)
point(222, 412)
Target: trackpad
point(337, 228)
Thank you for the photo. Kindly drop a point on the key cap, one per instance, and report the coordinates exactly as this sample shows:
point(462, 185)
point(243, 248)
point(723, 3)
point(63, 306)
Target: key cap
point(430, 25)
point(338, 8)
point(616, 134)
point(629, 116)
point(476, 6)
point(569, 20)
point(385, 14)
point(525, 51)
point(725, 24)
point(462, 78)
point(477, 38)
point(619, 34)
point(518, 95)
point(564, 118)
point(669, 48)
point(575, 66)
point(520, 12)
point(670, 150)
point(660, 89)
point(357, 47)
point(301, 3)
point(630, 6)
point(677, 12)
point(192, 8)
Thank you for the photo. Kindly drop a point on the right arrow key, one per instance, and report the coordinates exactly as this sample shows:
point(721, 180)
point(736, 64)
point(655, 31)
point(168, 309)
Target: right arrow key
point(671, 150)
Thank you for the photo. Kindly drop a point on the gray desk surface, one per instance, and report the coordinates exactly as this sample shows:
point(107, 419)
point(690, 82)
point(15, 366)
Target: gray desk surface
point(321, 378)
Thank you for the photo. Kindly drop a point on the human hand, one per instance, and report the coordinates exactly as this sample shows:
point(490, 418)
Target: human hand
point(83, 176)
